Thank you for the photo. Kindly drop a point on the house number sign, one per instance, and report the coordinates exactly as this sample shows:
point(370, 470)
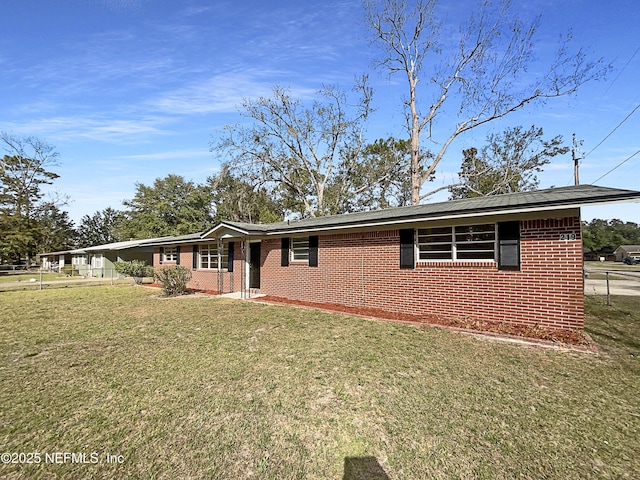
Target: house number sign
point(567, 236)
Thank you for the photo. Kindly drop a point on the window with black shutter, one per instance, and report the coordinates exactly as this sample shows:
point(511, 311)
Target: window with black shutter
point(230, 257)
point(161, 255)
point(313, 251)
point(194, 258)
point(407, 249)
point(178, 255)
point(284, 252)
point(509, 246)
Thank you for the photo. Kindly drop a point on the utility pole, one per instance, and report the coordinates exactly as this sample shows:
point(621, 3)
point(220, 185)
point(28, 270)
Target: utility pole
point(576, 159)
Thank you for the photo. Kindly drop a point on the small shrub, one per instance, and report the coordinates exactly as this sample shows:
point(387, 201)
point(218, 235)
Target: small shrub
point(173, 279)
point(134, 268)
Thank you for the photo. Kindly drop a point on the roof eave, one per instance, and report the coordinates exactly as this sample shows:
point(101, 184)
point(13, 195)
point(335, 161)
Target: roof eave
point(419, 218)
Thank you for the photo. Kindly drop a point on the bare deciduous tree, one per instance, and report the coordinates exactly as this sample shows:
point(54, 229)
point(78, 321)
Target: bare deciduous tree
point(483, 78)
point(302, 151)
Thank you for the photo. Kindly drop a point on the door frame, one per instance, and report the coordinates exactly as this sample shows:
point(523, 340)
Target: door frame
point(257, 245)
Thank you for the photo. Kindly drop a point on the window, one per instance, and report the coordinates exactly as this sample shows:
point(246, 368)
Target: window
point(209, 256)
point(170, 254)
point(469, 242)
point(300, 248)
point(96, 261)
point(434, 243)
point(79, 260)
point(475, 242)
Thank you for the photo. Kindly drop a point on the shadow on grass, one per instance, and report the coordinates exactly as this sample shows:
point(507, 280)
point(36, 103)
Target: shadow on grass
point(363, 468)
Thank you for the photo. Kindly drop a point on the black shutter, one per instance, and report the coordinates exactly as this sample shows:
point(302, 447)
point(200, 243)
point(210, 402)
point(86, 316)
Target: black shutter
point(313, 251)
point(284, 252)
point(407, 249)
point(194, 258)
point(230, 258)
point(509, 246)
point(161, 255)
point(178, 255)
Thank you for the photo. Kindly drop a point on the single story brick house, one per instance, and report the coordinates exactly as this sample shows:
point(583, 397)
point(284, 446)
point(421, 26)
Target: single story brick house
point(506, 258)
point(624, 251)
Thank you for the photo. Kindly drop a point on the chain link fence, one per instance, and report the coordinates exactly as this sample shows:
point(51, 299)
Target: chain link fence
point(20, 279)
point(611, 280)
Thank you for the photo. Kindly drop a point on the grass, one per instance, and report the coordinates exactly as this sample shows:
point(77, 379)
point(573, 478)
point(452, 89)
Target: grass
point(209, 388)
point(612, 266)
point(26, 277)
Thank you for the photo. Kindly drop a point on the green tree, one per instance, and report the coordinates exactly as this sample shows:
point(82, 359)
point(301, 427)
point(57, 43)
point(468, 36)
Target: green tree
point(598, 234)
point(22, 174)
point(482, 72)
point(55, 230)
point(299, 152)
point(99, 228)
point(172, 206)
point(238, 200)
point(378, 180)
point(509, 162)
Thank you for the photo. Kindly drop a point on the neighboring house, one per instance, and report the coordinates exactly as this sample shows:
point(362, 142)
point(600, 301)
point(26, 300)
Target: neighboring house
point(98, 261)
point(509, 258)
point(55, 261)
point(603, 254)
point(624, 251)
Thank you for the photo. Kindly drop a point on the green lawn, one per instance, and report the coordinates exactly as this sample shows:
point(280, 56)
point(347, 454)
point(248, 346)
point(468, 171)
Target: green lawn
point(6, 277)
point(612, 266)
point(197, 387)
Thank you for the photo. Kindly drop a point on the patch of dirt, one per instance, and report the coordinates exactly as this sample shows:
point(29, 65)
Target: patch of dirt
point(535, 332)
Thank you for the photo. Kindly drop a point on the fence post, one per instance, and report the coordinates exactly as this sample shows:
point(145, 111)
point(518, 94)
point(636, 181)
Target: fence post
point(608, 292)
point(111, 276)
point(40, 278)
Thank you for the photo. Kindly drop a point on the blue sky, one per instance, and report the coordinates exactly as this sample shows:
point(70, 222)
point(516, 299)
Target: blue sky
point(132, 90)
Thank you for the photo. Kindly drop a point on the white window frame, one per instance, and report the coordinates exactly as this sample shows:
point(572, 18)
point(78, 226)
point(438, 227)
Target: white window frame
point(449, 240)
point(170, 254)
point(79, 260)
point(208, 257)
point(300, 249)
point(96, 261)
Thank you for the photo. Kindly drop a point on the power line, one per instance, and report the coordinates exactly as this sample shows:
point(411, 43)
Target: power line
point(620, 72)
point(617, 166)
point(612, 131)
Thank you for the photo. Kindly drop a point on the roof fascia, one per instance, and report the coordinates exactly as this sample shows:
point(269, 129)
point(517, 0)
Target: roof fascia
point(225, 225)
point(424, 218)
point(451, 216)
point(175, 242)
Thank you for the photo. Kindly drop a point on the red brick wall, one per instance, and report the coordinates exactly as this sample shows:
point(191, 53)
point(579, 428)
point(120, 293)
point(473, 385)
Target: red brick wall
point(209, 280)
point(362, 269)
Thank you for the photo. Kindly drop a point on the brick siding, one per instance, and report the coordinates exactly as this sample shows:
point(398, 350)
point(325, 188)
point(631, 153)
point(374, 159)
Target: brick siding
point(362, 270)
point(209, 280)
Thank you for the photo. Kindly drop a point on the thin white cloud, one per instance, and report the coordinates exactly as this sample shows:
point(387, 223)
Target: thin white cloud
point(169, 155)
point(98, 129)
point(220, 94)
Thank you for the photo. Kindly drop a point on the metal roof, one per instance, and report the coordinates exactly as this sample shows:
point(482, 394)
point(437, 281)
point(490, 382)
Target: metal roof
point(115, 246)
point(190, 238)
